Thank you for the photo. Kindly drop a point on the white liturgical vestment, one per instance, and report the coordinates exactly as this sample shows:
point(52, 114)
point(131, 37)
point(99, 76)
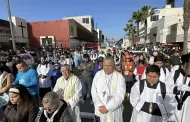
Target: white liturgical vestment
point(70, 90)
point(180, 115)
point(44, 70)
point(151, 95)
point(109, 91)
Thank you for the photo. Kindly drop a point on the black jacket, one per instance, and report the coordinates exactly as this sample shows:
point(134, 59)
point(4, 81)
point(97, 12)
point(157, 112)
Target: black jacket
point(63, 115)
point(11, 113)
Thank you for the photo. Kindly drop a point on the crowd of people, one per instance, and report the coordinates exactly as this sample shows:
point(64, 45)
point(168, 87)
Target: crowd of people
point(157, 84)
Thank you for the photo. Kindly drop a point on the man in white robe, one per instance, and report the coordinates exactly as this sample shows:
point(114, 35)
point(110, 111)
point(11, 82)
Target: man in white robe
point(179, 81)
point(108, 92)
point(164, 72)
point(69, 88)
point(151, 99)
point(44, 70)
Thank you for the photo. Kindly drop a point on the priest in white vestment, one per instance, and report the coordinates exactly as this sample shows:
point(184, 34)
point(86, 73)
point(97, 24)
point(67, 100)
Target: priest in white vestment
point(69, 88)
point(108, 92)
point(44, 70)
point(151, 99)
point(179, 81)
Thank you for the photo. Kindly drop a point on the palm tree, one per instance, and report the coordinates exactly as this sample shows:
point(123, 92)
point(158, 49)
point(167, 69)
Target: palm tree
point(147, 11)
point(171, 2)
point(137, 17)
point(186, 23)
point(130, 29)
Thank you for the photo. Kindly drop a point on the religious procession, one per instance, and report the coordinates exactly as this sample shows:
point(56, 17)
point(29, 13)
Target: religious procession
point(51, 89)
point(94, 61)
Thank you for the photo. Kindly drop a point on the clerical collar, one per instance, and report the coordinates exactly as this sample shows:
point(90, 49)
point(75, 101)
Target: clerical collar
point(152, 86)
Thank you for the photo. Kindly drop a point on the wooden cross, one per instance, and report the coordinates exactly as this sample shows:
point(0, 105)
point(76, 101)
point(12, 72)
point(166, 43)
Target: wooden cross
point(21, 26)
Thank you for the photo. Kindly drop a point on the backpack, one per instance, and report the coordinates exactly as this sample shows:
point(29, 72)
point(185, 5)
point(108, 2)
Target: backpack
point(162, 88)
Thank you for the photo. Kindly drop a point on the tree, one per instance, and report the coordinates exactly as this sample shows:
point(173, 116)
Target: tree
point(146, 12)
point(130, 29)
point(186, 22)
point(171, 2)
point(137, 17)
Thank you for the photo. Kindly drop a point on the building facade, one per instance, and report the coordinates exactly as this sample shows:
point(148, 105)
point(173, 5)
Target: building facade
point(85, 21)
point(5, 34)
point(20, 32)
point(165, 26)
point(100, 36)
point(62, 33)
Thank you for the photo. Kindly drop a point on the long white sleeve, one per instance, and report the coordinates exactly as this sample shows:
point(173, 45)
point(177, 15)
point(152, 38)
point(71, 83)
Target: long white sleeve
point(95, 97)
point(135, 100)
point(38, 69)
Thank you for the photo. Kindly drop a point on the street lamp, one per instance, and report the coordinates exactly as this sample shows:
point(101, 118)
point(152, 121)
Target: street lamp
point(11, 25)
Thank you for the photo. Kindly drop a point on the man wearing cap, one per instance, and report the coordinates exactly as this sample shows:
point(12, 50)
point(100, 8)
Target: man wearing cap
point(151, 99)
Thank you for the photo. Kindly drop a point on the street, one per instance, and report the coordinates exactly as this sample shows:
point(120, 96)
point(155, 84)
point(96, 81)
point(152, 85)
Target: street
point(87, 111)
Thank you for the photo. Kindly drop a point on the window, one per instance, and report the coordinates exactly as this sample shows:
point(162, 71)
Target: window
point(154, 18)
point(85, 20)
point(92, 22)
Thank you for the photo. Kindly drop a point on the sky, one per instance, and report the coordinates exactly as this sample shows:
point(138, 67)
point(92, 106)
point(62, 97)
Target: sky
point(111, 16)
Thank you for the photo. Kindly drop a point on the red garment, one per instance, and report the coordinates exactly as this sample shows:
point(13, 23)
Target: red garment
point(140, 70)
point(127, 66)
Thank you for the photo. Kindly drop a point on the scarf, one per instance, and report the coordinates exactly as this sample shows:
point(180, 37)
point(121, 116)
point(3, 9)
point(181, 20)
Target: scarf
point(50, 119)
point(70, 89)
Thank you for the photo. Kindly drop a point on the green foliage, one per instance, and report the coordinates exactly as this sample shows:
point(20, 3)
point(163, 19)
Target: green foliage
point(146, 12)
point(130, 29)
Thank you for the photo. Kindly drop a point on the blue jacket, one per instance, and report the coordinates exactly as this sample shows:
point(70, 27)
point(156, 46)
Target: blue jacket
point(29, 79)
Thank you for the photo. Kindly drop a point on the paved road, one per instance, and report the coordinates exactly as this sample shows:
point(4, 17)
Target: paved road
point(87, 111)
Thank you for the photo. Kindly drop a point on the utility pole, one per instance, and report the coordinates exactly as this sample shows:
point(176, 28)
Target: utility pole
point(11, 25)
point(186, 22)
